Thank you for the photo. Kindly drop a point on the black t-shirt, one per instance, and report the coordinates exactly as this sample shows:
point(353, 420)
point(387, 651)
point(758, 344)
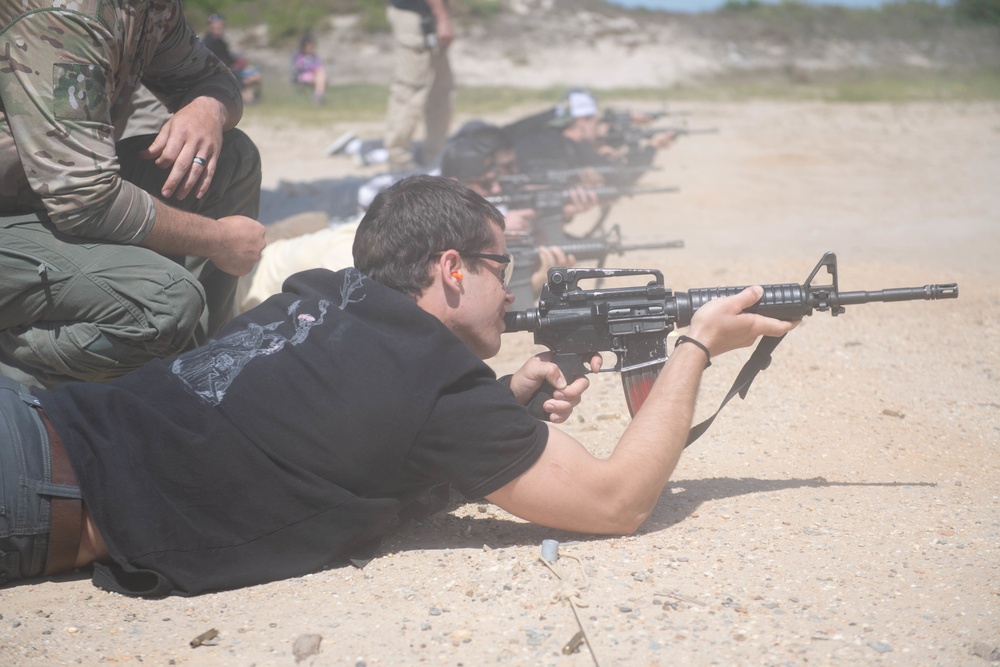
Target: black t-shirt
point(288, 441)
point(549, 149)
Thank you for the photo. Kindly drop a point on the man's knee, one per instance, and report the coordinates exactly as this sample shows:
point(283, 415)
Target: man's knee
point(236, 186)
point(170, 320)
point(116, 326)
point(240, 153)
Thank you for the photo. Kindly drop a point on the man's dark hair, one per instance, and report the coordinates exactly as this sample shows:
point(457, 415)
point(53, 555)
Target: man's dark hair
point(413, 221)
point(471, 152)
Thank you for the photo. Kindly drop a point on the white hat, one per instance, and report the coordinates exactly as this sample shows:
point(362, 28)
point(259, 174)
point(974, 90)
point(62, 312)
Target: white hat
point(580, 103)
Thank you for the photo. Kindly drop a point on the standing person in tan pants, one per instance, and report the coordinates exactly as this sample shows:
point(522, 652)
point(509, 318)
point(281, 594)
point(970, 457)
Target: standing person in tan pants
point(422, 82)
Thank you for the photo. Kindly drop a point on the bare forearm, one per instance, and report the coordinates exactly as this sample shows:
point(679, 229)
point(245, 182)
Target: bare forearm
point(233, 243)
point(651, 446)
point(445, 32)
point(570, 489)
point(178, 232)
point(439, 8)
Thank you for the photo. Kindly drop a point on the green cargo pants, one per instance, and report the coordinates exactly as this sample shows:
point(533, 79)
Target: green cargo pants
point(75, 309)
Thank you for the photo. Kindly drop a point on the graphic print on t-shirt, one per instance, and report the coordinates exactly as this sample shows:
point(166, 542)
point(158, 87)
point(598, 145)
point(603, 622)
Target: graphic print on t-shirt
point(212, 368)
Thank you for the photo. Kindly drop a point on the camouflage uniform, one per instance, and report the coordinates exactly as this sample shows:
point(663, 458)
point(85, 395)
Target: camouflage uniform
point(79, 300)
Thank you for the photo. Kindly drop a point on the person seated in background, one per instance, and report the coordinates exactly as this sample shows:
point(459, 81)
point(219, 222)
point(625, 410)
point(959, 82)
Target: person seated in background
point(308, 68)
point(248, 76)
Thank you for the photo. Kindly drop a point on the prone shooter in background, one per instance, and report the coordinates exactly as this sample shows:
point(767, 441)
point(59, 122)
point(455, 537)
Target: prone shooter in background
point(573, 135)
point(476, 157)
point(536, 206)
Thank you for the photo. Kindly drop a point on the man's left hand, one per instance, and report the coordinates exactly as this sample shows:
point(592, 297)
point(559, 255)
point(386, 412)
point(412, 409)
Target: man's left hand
point(189, 144)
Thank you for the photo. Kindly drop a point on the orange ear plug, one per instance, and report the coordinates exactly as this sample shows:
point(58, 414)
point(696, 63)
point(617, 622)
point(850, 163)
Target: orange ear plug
point(457, 275)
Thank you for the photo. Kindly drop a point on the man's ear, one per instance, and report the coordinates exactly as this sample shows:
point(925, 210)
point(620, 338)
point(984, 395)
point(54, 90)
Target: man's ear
point(452, 272)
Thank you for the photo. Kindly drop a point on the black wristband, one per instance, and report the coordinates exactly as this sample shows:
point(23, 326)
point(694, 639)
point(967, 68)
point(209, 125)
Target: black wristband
point(688, 339)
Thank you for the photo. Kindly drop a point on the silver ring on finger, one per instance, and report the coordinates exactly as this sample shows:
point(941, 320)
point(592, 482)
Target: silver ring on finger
point(199, 160)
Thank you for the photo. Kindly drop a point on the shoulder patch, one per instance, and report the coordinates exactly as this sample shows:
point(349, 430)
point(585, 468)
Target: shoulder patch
point(79, 92)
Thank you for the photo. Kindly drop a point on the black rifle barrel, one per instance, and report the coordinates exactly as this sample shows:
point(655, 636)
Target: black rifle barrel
point(925, 293)
point(792, 301)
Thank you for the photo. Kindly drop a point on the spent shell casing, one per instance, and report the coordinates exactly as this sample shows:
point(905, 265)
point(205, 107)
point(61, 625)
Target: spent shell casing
point(206, 636)
point(573, 644)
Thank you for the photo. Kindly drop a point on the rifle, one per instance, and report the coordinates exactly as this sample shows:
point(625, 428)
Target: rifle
point(618, 120)
point(633, 322)
point(563, 177)
point(546, 201)
point(525, 256)
point(622, 118)
point(632, 136)
point(548, 204)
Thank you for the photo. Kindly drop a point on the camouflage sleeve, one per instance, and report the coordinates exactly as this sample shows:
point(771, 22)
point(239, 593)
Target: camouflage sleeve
point(63, 77)
point(183, 68)
point(56, 85)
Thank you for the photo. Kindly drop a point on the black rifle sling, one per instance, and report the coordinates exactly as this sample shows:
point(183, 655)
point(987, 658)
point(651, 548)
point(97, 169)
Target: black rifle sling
point(758, 361)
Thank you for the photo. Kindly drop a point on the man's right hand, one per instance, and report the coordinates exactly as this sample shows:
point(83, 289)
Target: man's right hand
point(442, 19)
point(445, 35)
point(195, 131)
point(242, 251)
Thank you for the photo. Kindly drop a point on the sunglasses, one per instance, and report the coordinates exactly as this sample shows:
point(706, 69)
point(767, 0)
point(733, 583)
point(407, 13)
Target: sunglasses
point(506, 263)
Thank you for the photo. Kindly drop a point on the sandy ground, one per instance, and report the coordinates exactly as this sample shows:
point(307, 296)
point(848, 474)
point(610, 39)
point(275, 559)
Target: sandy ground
point(846, 513)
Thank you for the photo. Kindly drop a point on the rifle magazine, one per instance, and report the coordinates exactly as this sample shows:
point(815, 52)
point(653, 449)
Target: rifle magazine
point(637, 383)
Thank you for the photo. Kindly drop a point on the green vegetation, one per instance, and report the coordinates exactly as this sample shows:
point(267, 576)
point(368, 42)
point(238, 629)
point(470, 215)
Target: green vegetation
point(916, 12)
point(790, 20)
point(366, 103)
point(978, 11)
point(937, 28)
point(796, 22)
point(286, 19)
